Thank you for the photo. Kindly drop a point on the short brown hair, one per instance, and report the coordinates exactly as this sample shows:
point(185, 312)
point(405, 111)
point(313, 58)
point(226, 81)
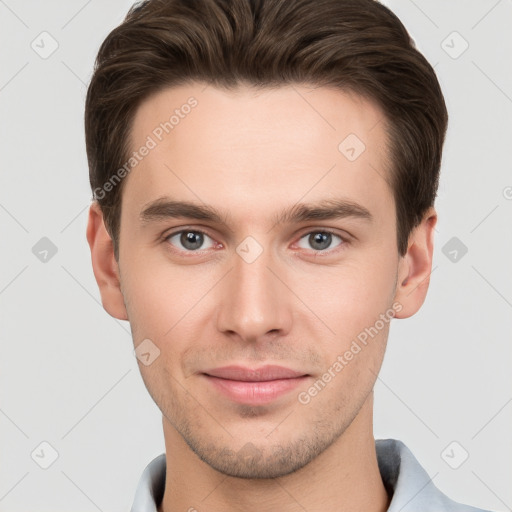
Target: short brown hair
point(354, 45)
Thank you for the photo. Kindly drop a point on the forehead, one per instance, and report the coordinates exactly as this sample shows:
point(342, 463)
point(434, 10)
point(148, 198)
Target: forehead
point(257, 147)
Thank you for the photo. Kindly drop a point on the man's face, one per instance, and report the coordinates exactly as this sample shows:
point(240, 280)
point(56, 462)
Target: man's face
point(227, 300)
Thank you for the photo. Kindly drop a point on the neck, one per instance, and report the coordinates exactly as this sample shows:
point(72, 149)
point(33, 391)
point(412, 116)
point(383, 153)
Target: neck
point(345, 477)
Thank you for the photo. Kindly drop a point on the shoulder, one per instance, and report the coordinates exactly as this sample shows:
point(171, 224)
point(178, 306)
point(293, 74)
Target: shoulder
point(408, 484)
point(150, 489)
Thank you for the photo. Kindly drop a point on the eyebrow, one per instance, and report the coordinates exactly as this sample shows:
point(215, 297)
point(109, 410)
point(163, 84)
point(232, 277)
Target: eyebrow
point(327, 209)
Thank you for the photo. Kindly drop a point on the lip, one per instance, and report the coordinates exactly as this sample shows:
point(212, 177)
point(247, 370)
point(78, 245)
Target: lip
point(254, 386)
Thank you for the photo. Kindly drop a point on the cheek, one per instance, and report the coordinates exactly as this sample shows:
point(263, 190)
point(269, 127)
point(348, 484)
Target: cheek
point(351, 296)
point(153, 285)
point(149, 300)
point(166, 304)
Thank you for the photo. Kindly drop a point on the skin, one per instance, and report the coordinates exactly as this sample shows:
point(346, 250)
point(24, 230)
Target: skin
point(251, 154)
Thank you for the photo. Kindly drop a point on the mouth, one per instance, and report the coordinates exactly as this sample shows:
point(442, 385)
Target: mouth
point(254, 386)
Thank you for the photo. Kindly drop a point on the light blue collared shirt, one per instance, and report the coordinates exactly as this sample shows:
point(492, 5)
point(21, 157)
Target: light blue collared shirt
point(408, 484)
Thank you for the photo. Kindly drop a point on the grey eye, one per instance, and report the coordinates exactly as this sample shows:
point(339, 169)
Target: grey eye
point(319, 240)
point(190, 240)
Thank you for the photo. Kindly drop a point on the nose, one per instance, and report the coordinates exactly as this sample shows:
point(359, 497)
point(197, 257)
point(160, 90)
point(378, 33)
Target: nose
point(255, 304)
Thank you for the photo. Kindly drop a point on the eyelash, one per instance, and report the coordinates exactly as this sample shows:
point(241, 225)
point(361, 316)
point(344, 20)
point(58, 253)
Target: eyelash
point(340, 246)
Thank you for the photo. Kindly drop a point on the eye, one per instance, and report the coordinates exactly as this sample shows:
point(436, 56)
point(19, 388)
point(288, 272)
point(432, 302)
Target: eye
point(190, 240)
point(320, 240)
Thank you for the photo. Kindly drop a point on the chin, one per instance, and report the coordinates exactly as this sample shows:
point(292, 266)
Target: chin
point(262, 462)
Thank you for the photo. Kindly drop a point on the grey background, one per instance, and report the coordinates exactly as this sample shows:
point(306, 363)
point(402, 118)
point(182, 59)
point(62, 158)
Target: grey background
point(68, 376)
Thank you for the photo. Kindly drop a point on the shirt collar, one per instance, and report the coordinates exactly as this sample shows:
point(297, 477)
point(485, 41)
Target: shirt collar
point(405, 480)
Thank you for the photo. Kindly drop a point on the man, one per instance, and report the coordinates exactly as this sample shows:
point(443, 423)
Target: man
point(264, 175)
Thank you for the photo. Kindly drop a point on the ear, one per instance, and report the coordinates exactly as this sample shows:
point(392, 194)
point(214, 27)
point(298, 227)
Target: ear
point(104, 264)
point(415, 267)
